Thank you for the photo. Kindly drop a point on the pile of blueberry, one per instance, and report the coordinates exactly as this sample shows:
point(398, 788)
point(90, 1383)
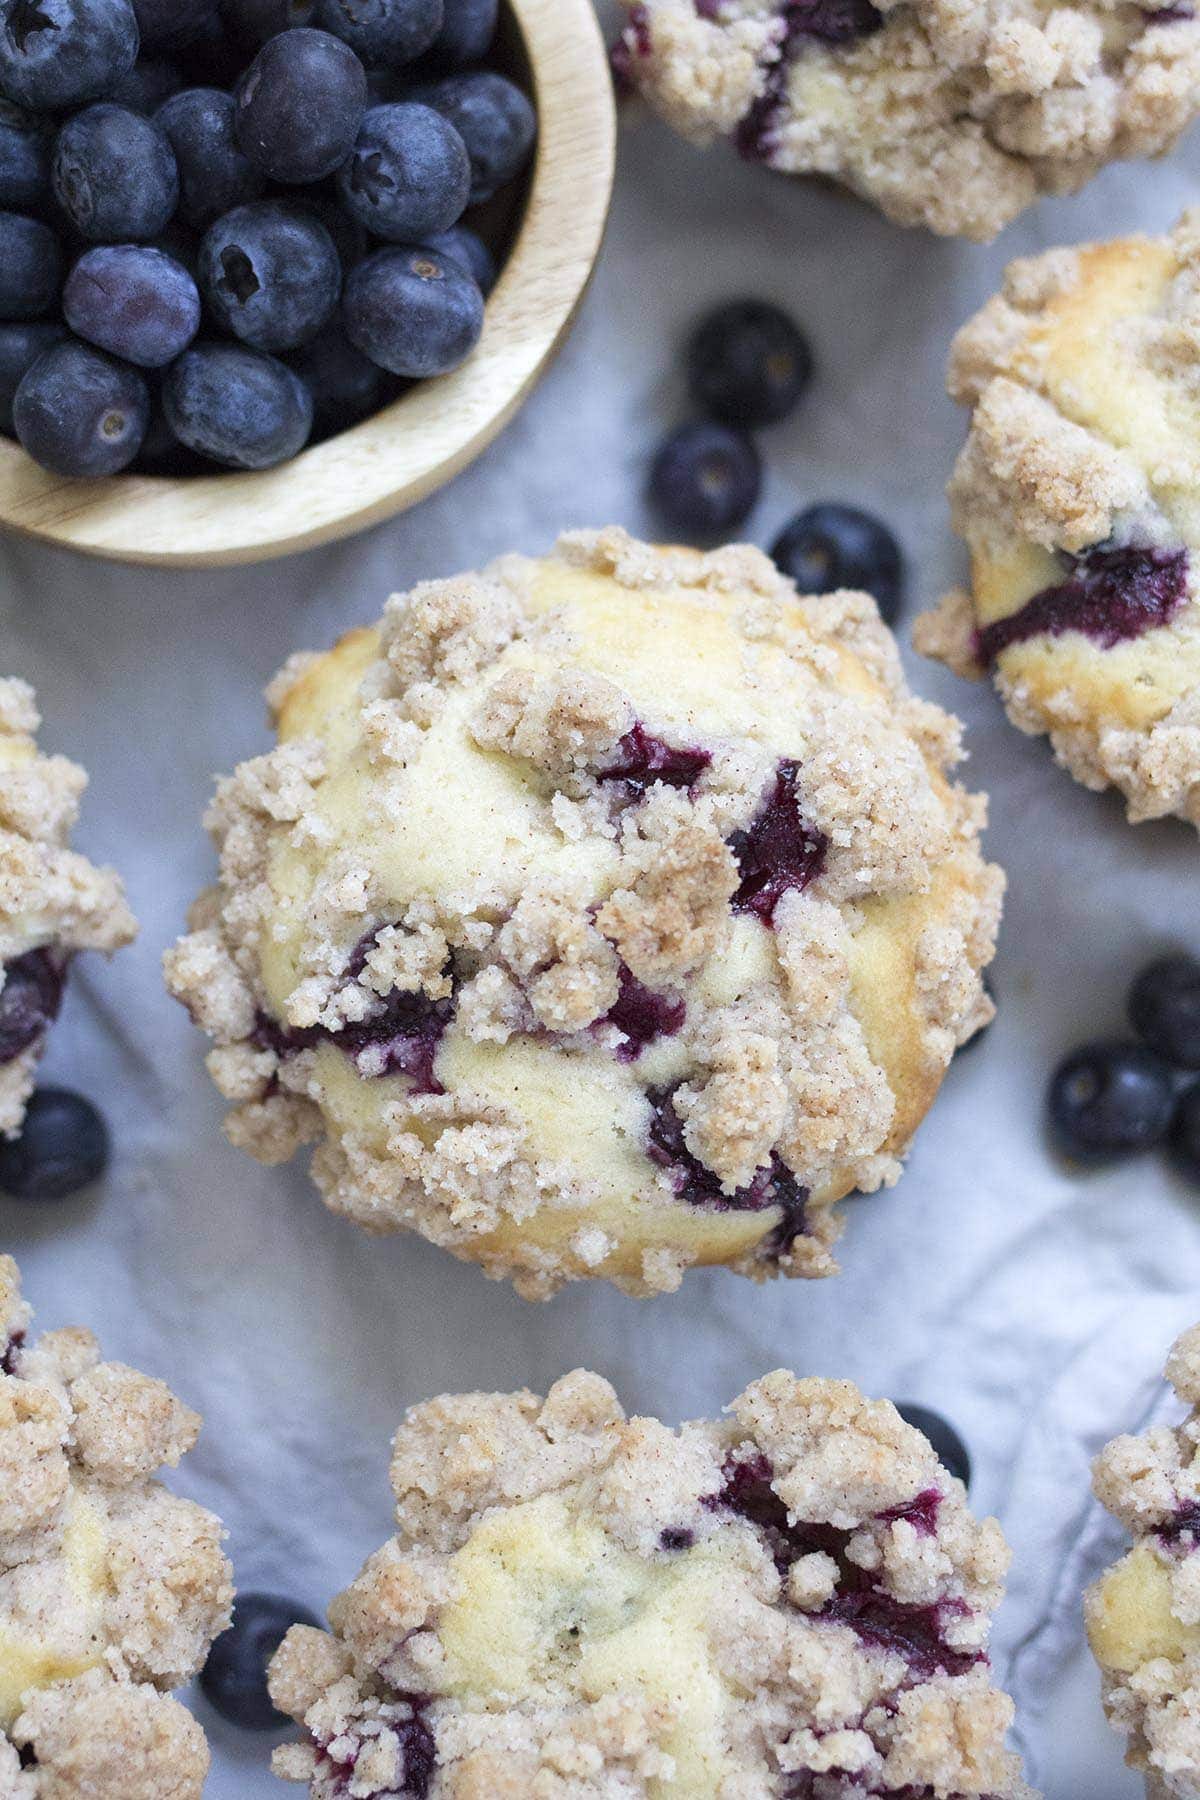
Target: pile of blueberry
point(748, 365)
point(228, 224)
point(1113, 1098)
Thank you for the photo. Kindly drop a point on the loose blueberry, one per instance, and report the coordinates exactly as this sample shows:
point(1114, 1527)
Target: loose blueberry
point(947, 1446)
point(146, 87)
point(392, 32)
point(114, 175)
point(133, 301)
point(237, 406)
point(705, 480)
point(300, 104)
point(171, 25)
point(408, 175)
point(466, 247)
point(466, 34)
point(21, 343)
point(413, 312)
point(270, 274)
point(344, 384)
point(77, 412)
point(832, 546)
point(1110, 1099)
point(63, 1147)
point(748, 364)
point(495, 120)
point(234, 1679)
point(215, 174)
point(30, 267)
point(1185, 1136)
point(25, 142)
point(259, 20)
point(59, 53)
point(1164, 1009)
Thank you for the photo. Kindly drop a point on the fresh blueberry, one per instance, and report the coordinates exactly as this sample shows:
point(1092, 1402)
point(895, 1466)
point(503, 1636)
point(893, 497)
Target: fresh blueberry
point(234, 1679)
point(237, 406)
point(59, 53)
point(300, 104)
point(77, 412)
point(412, 312)
point(25, 142)
point(270, 274)
point(1164, 1009)
point(1110, 1099)
point(947, 1446)
point(259, 20)
point(133, 301)
point(748, 364)
point(495, 120)
point(171, 25)
point(215, 174)
point(832, 546)
point(705, 479)
point(63, 1147)
point(408, 175)
point(147, 86)
point(21, 343)
point(468, 248)
point(466, 35)
point(345, 385)
point(392, 32)
point(1185, 1135)
point(114, 175)
point(30, 267)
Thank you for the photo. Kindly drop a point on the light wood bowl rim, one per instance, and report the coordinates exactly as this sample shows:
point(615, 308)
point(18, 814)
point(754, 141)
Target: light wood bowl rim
point(421, 441)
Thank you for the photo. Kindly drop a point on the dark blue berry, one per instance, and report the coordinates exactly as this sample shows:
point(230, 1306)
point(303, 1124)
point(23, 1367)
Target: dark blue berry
point(215, 174)
point(237, 406)
point(270, 274)
point(171, 25)
point(408, 175)
point(947, 1446)
point(495, 120)
point(59, 53)
point(63, 1147)
point(748, 363)
point(1185, 1136)
point(21, 343)
point(413, 312)
point(259, 20)
point(234, 1679)
point(25, 142)
point(832, 546)
point(114, 175)
point(30, 267)
point(1110, 1099)
point(466, 35)
point(29, 999)
point(77, 412)
point(705, 480)
point(146, 87)
point(392, 32)
point(133, 301)
point(468, 248)
point(344, 384)
point(300, 104)
point(1164, 1009)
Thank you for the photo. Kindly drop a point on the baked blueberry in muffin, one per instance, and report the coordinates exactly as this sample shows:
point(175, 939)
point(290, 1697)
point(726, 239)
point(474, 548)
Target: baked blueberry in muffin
point(953, 117)
point(1143, 1615)
point(52, 901)
point(597, 915)
point(1077, 494)
point(111, 1589)
point(795, 1602)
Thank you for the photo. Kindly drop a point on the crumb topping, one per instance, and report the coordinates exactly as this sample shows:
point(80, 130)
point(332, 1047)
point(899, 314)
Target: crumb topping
point(577, 1605)
point(111, 1589)
point(598, 915)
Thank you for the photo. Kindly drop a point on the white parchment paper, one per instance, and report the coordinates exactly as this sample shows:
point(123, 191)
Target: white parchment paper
point(1032, 1306)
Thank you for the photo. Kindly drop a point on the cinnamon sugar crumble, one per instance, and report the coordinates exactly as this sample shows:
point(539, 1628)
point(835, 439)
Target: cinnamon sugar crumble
point(529, 914)
point(111, 1589)
point(582, 1606)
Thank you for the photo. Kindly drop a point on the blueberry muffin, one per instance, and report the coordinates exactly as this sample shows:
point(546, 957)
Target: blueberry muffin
point(598, 915)
point(585, 1606)
point(955, 117)
point(1143, 1615)
point(111, 1589)
point(52, 901)
point(1078, 493)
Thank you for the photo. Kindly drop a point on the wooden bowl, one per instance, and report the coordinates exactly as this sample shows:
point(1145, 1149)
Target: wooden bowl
point(422, 440)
